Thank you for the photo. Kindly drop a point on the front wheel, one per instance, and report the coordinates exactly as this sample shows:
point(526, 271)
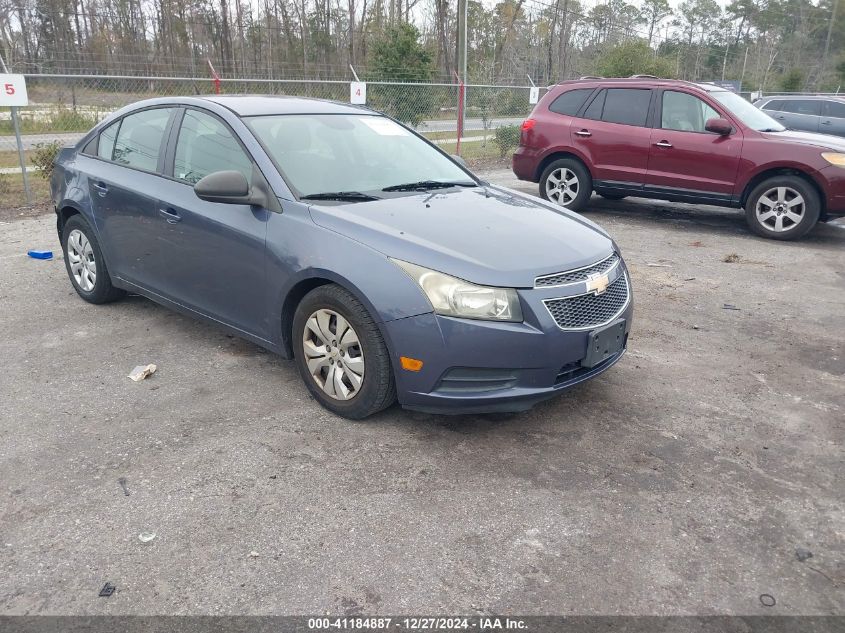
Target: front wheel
point(567, 183)
point(341, 354)
point(783, 208)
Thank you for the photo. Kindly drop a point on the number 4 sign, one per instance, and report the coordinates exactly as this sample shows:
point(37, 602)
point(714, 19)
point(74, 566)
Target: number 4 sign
point(358, 92)
point(13, 90)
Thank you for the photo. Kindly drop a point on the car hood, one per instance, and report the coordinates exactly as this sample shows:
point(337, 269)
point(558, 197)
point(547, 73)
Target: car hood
point(487, 235)
point(825, 141)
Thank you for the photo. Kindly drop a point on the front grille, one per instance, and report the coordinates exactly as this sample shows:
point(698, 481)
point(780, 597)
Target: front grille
point(590, 310)
point(578, 275)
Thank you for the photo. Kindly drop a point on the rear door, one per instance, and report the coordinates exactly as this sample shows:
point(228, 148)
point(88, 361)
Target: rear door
point(613, 135)
point(833, 118)
point(214, 252)
point(684, 159)
point(123, 185)
point(800, 114)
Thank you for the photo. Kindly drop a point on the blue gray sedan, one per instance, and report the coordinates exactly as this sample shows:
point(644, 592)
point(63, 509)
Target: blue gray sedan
point(339, 238)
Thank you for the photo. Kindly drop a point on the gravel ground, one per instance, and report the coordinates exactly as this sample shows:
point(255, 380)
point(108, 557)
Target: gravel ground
point(680, 482)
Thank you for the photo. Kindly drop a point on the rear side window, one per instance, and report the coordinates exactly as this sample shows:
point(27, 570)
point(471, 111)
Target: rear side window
point(834, 109)
point(570, 101)
point(105, 147)
point(206, 145)
point(596, 106)
point(627, 106)
point(139, 139)
point(802, 106)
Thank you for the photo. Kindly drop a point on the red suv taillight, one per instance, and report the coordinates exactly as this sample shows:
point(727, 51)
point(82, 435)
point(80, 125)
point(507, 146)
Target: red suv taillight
point(527, 126)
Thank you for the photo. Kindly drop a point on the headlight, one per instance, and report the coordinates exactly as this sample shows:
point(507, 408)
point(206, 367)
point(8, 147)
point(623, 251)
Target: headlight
point(455, 297)
point(834, 159)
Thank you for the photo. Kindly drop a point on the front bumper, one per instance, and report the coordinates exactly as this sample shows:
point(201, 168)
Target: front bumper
point(833, 182)
point(485, 366)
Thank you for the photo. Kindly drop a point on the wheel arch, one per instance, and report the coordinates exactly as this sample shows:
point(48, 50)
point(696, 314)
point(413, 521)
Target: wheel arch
point(771, 172)
point(557, 155)
point(64, 212)
point(301, 286)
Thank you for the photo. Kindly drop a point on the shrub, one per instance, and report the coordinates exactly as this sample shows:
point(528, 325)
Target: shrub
point(43, 157)
point(507, 139)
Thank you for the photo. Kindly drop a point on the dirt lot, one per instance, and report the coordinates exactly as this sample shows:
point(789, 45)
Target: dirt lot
point(682, 481)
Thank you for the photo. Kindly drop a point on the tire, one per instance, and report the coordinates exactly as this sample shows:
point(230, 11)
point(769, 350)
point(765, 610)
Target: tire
point(783, 208)
point(354, 394)
point(577, 194)
point(85, 264)
point(612, 196)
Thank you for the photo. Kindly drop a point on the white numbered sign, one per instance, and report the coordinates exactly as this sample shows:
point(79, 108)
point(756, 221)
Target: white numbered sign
point(13, 90)
point(358, 92)
point(534, 95)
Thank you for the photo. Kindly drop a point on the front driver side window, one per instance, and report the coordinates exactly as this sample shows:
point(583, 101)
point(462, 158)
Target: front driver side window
point(206, 145)
point(684, 112)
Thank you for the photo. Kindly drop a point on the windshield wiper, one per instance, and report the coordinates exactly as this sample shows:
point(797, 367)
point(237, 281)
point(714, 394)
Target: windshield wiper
point(424, 185)
point(354, 196)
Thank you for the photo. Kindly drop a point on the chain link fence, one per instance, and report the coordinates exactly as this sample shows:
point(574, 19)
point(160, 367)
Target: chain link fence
point(63, 107)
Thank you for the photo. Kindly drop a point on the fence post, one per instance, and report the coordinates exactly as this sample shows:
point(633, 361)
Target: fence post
point(214, 77)
point(19, 142)
point(461, 104)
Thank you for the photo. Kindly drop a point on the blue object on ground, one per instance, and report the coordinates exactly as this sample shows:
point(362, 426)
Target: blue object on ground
point(40, 254)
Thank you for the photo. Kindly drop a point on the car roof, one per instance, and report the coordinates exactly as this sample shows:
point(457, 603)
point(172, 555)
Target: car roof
point(811, 97)
point(645, 82)
point(254, 105)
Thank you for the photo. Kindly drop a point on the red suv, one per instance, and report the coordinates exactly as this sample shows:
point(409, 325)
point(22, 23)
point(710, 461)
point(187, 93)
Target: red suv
point(675, 140)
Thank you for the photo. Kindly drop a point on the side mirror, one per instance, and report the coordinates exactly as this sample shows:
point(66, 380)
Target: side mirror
point(719, 126)
point(458, 160)
point(228, 187)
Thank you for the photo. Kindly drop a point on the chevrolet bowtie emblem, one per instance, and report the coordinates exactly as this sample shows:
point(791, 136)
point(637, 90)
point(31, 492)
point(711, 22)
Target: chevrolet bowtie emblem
point(597, 283)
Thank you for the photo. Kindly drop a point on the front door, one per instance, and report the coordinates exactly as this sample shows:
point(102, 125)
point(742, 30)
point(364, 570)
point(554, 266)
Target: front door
point(214, 252)
point(685, 159)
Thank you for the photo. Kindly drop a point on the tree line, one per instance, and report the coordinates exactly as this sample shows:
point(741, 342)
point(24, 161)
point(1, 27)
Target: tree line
point(767, 44)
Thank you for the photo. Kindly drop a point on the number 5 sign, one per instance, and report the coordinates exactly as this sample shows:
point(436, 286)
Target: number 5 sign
point(13, 90)
point(358, 92)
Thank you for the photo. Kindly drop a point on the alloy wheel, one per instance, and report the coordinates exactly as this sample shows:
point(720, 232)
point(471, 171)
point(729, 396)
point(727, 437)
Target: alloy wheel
point(333, 354)
point(562, 186)
point(780, 209)
point(80, 255)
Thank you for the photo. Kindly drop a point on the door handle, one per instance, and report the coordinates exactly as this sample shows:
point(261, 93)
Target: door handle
point(170, 215)
point(825, 122)
point(101, 188)
point(583, 133)
point(663, 144)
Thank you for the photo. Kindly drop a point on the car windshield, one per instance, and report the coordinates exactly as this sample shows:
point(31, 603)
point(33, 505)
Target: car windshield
point(351, 153)
point(749, 114)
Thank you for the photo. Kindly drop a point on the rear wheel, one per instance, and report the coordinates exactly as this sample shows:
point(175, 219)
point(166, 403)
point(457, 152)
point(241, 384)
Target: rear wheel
point(567, 182)
point(783, 208)
point(85, 264)
point(341, 354)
